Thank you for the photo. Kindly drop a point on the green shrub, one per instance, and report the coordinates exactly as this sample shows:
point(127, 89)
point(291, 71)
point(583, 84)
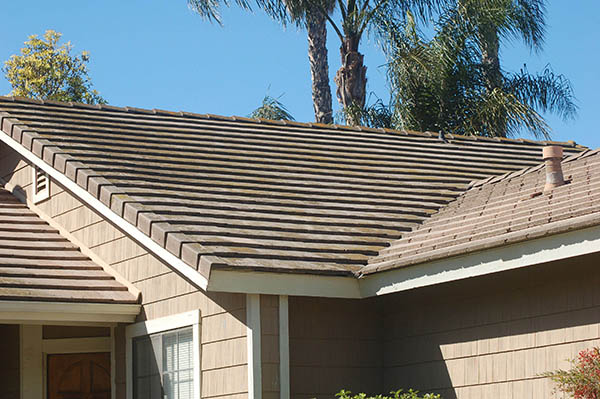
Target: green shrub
point(399, 394)
point(582, 381)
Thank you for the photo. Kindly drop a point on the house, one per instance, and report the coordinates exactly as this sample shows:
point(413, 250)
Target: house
point(148, 254)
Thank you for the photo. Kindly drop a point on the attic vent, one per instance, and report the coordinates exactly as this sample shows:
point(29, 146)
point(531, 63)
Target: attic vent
point(41, 185)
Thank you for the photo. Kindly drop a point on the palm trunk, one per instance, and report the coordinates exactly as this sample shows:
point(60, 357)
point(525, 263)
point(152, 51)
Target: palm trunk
point(492, 75)
point(351, 80)
point(319, 67)
point(490, 59)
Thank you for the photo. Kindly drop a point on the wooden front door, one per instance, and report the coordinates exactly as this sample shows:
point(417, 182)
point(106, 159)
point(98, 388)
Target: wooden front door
point(79, 376)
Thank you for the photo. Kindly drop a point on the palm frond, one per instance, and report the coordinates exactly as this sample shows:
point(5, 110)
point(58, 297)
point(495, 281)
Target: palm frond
point(272, 109)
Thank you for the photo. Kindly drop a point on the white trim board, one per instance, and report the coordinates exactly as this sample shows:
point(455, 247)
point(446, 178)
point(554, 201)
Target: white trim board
point(292, 284)
point(163, 324)
point(253, 340)
point(87, 198)
point(33, 312)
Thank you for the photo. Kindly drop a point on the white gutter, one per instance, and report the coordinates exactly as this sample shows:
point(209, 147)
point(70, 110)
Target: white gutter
point(131, 230)
point(72, 312)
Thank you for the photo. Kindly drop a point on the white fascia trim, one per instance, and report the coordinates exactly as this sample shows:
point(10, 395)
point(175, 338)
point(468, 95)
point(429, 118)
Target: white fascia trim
point(30, 311)
point(523, 254)
point(87, 198)
point(253, 341)
point(283, 284)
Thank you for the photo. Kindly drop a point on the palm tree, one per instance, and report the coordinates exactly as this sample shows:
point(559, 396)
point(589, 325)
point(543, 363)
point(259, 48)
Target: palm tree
point(311, 14)
point(453, 83)
point(357, 17)
point(272, 108)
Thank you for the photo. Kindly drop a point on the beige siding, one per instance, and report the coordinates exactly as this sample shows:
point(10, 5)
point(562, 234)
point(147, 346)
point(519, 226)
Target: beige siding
point(493, 336)
point(334, 344)
point(9, 366)
point(163, 292)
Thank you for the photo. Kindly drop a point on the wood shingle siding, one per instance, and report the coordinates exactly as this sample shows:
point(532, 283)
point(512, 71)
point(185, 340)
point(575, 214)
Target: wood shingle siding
point(248, 194)
point(493, 336)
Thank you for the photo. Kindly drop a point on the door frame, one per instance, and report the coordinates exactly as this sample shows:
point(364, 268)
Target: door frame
point(34, 351)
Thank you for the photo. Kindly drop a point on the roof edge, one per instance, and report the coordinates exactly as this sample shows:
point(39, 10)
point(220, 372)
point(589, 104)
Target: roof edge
point(99, 192)
point(67, 312)
point(529, 251)
point(259, 121)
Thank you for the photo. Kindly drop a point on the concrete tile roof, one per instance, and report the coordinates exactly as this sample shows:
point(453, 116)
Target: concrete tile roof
point(248, 194)
point(502, 210)
point(38, 264)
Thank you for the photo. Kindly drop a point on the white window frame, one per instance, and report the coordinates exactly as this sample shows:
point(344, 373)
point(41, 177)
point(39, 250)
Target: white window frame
point(161, 325)
point(39, 195)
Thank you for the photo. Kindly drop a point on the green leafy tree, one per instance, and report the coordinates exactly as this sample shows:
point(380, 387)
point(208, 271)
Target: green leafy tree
point(46, 71)
point(272, 109)
point(445, 84)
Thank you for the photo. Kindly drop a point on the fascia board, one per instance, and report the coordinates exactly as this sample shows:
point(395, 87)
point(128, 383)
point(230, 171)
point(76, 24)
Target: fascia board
point(68, 312)
point(527, 253)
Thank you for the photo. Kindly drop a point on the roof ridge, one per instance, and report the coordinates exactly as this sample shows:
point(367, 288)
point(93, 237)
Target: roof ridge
point(154, 111)
point(529, 169)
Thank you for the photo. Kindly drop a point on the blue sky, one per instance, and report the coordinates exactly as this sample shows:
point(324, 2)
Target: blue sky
point(159, 54)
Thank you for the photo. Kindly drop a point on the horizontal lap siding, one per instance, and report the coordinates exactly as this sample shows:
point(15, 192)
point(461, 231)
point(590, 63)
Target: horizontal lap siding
point(493, 336)
point(164, 293)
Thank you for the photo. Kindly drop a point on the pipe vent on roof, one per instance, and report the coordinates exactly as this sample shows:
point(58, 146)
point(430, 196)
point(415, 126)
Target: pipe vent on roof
point(554, 176)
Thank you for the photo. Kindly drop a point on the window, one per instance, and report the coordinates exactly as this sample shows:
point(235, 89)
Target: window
point(163, 365)
point(41, 185)
point(163, 358)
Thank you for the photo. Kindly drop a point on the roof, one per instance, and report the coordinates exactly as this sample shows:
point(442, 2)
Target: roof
point(502, 210)
point(38, 264)
point(245, 194)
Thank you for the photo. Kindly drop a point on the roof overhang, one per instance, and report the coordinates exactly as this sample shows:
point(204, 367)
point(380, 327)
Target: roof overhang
point(37, 312)
point(523, 254)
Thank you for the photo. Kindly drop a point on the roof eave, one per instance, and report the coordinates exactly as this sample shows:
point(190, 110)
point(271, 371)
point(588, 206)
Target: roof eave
point(525, 253)
point(34, 312)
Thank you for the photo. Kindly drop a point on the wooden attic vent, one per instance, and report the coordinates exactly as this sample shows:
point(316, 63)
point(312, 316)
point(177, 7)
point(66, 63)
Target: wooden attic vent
point(41, 185)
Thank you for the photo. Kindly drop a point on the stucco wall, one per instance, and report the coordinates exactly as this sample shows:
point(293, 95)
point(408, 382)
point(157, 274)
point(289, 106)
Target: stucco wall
point(9, 364)
point(224, 354)
point(492, 337)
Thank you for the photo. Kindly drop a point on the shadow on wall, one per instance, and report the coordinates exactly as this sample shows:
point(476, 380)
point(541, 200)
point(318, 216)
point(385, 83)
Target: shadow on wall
point(492, 334)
